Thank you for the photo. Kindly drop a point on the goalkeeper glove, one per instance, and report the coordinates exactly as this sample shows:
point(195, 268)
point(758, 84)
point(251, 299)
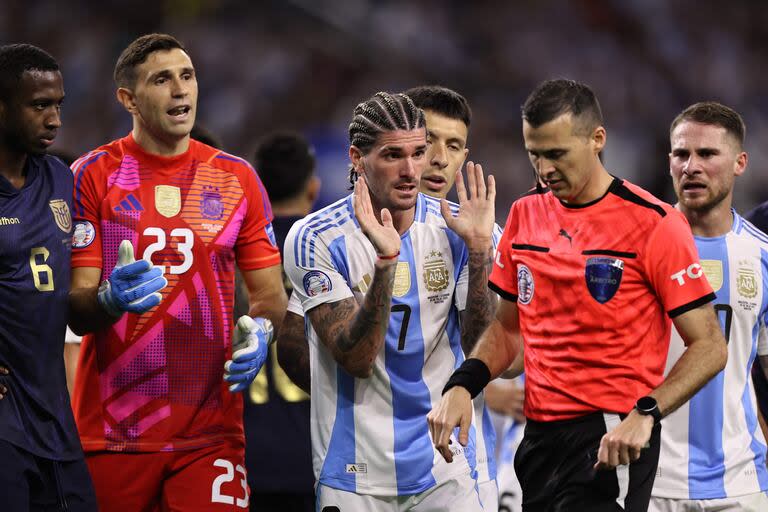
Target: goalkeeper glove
point(133, 286)
point(250, 346)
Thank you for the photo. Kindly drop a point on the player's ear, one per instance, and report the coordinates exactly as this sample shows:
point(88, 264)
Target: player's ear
point(312, 189)
point(356, 157)
point(127, 99)
point(741, 164)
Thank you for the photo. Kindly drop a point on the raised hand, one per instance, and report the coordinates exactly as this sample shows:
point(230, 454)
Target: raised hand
point(133, 286)
point(477, 205)
point(454, 410)
point(250, 346)
point(383, 235)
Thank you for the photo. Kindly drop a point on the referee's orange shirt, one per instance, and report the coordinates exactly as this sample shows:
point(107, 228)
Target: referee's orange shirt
point(596, 286)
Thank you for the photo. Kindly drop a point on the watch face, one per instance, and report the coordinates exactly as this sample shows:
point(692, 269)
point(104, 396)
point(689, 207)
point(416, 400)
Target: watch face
point(646, 403)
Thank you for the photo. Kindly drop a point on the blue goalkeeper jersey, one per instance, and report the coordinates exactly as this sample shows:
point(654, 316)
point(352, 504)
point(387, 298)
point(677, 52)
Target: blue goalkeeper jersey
point(35, 248)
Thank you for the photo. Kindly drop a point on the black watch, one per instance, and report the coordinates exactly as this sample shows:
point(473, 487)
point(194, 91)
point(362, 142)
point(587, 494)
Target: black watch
point(647, 406)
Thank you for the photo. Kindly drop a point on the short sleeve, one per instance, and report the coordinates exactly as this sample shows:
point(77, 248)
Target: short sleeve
point(256, 245)
point(294, 305)
point(71, 337)
point(503, 279)
point(315, 275)
point(671, 263)
point(86, 217)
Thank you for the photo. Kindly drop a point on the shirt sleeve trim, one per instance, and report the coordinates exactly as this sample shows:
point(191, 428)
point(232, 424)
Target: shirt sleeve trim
point(502, 293)
point(692, 305)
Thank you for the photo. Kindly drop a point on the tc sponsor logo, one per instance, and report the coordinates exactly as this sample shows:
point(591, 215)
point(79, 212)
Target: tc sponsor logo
point(693, 271)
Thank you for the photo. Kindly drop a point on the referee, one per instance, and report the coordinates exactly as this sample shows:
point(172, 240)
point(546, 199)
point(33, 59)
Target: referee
point(592, 268)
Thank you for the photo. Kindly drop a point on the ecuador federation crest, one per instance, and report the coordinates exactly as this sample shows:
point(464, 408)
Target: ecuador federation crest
point(61, 214)
point(167, 200)
point(436, 276)
point(603, 277)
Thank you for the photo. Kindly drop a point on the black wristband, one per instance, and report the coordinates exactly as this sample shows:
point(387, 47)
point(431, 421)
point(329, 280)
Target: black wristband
point(473, 375)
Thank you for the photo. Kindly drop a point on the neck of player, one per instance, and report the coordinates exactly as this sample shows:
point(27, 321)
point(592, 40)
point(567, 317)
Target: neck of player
point(594, 188)
point(401, 219)
point(712, 222)
point(12, 165)
point(165, 146)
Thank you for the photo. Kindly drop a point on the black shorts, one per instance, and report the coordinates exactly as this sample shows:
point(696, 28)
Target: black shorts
point(32, 483)
point(555, 461)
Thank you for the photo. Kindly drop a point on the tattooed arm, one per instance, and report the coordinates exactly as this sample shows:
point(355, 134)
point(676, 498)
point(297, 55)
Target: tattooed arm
point(481, 301)
point(355, 334)
point(293, 351)
point(474, 224)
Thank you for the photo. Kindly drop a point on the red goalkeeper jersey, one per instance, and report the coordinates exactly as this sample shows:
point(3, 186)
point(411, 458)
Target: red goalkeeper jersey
point(596, 286)
point(154, 381)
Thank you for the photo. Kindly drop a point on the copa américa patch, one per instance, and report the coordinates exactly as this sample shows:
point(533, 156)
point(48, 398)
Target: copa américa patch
point(317, 282)
point(83, 235)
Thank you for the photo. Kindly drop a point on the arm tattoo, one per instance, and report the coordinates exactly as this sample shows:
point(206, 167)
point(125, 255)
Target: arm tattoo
point(481, 301)
point(373, 316)
point(293, 351)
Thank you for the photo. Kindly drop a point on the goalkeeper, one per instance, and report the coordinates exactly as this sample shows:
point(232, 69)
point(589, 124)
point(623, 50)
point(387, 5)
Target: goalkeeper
point(156, 395)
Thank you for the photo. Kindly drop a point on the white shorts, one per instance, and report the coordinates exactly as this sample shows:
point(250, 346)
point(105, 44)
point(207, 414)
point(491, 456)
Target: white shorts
point(757, 502)
point(460, 494)
point(489, 495)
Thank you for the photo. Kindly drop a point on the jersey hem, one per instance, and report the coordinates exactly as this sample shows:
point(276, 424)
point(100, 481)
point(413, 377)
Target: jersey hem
point(103, 445)
point(343, 485)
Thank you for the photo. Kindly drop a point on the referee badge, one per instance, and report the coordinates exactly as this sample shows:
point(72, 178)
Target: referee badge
point(603, 277)
point(524, 284)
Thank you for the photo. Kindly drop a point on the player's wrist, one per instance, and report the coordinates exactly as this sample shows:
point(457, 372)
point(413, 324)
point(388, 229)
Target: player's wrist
point(473, 375)
point(106, 300)
point(479, 243)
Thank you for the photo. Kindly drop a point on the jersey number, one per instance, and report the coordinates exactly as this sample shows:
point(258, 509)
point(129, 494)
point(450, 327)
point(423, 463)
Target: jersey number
point(184, 247)
point(41, 273)
point(217, 496)
point(728, 312)
point(405, 309)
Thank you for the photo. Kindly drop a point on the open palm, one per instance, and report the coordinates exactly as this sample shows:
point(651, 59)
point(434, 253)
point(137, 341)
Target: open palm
point(476, 216)
point(383, 235)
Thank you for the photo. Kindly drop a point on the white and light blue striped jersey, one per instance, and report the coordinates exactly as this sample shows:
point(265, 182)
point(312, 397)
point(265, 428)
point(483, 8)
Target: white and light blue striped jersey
point(712, 447)
point(370, 436)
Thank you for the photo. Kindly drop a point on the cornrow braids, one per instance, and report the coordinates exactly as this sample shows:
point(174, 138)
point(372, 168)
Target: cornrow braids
point(383, 112)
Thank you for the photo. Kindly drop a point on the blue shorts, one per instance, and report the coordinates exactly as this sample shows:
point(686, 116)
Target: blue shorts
point(32, 483)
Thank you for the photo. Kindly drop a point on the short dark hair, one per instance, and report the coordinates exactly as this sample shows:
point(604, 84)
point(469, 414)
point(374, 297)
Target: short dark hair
point(553, 98)
point(15, 59)
point(137, 52)
point(712, 112)
point(383, 112)
point(284, 161)
point(441, 100)
point(202, 134)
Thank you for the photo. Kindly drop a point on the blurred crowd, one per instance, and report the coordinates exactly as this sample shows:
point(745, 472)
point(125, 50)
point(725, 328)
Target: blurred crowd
point(304, 64)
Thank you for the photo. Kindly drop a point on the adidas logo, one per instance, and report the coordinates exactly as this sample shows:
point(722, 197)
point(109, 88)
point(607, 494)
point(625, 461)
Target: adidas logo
point(129, 204)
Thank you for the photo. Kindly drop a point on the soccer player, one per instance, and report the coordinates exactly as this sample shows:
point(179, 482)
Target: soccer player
point(382, 275)
point(712, 449)
point(159, 426)
point(276, 410)
point(590, 267)
point(42, 461)
point(759, 217)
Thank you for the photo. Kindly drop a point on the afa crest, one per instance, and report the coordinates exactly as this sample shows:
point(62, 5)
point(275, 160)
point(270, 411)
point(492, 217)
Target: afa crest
point(61, 214)
point(436, 275)
point(211, 206)
point(746, 282)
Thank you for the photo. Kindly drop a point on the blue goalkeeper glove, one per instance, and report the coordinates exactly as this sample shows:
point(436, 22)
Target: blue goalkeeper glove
point(134, 286)
point(250, 346)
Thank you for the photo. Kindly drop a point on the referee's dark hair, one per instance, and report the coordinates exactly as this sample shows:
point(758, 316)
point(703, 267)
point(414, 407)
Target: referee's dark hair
point(441, 100)
point(137, 53)
point(712, 112)
point(553, 98)
point(15, 59)
point(284, 161)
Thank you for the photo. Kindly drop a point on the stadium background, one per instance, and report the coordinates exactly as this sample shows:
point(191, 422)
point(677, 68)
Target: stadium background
point(304, 64)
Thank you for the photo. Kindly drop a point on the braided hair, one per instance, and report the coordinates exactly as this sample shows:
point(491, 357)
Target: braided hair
point(383, 112)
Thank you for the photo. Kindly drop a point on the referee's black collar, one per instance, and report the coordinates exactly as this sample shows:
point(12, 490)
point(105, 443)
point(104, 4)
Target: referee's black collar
point(615, 184)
